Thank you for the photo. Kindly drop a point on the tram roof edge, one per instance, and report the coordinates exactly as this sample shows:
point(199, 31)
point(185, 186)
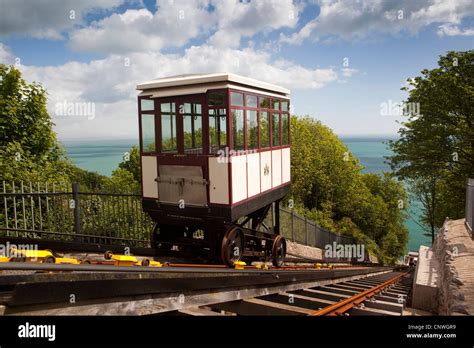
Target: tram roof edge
point(195, 79)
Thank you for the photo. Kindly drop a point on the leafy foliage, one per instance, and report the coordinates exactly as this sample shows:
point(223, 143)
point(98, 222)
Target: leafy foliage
point(435, 151)
point(328, 187)
point(29, 149)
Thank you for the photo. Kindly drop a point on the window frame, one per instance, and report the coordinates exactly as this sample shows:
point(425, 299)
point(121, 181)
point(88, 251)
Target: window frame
point(259, 109)
point(178, 100)
point(194, 138)
point(160, 121)
point(203, 99)
point(279, 129)
point(285, 113)
point(251, 108)
point(227, 107)
point(140, 129)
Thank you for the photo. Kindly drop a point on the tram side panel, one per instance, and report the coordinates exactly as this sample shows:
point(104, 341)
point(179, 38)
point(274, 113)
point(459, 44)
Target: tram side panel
point(257, 174)
point(235, 188)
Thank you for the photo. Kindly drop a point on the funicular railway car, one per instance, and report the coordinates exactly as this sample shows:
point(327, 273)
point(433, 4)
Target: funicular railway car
point(215, 157)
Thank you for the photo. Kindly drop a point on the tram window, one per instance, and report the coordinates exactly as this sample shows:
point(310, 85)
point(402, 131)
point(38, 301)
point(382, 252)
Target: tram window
point(168, 127)
point(285, 129)
point(217, 129)
point(148, 133)
point(264, 103)
point(284, 105)
point(192, 127)
point(147, 105)
point(168, 107)
point(237, 99)
point(251, 101)
point(216, 99)
point(276, 104)
point(276, 129)
point(238, 129)
point(264, 129)
point(252, 129)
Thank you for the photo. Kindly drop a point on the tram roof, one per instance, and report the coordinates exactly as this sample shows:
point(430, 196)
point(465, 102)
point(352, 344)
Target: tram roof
point(198, 82)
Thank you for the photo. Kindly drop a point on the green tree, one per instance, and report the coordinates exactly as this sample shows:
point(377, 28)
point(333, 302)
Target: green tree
point(329, 188)
point(25, 119)
point(29, 150)
point(434, 154)
point(132, 163)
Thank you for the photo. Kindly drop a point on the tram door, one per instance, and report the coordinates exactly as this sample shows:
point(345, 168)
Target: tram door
point(181, 123)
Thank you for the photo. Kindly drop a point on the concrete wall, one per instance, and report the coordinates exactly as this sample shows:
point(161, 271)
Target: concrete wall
point(425, 281)
point(455, 250)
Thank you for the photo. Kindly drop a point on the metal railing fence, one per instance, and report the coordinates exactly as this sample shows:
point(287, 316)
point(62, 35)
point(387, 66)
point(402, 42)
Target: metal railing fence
point(61, 212)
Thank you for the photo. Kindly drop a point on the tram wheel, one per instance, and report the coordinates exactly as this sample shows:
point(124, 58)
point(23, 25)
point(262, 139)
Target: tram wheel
point(49, 259)
point(278, 251)
point(233, 244)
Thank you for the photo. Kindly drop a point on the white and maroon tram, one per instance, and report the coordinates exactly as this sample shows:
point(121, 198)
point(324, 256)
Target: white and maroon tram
point(215, 156)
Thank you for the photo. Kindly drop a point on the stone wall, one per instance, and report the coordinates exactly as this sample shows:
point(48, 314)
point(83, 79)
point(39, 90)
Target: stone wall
point(295, 250)
point(452, 249)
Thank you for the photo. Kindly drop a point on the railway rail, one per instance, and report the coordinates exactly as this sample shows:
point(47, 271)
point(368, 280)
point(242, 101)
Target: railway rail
point(28, 288)
point(375, 295)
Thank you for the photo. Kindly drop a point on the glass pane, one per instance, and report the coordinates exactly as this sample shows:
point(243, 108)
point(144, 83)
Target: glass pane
point(265, 102)
point(148, 133)
point(216, 99)
point(276, 129)
point(237, 99)
point(264, 129)
point(251, 101)
point(168, 133)
point(192, 126)
point(147, 105)
point(284, 105)
point(276, 104)
point(186, 108)
point(165, 107)
point(197, 109)
point(285, 136)
point(252, 129)
point(217, 129)
point(238, 129)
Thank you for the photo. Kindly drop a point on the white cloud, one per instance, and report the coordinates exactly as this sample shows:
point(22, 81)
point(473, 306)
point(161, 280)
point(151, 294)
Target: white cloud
point(172, 25)
point(352, 20)
point(176, 22)
point(6, 56)
point(454, 30)
point(237, 19)
point(46, 18)
point(110, 84)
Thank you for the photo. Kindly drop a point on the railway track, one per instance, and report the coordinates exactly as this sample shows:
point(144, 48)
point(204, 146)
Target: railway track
point(374, 295)
point(53, 289)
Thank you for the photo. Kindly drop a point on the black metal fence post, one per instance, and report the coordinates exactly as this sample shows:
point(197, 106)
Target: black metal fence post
point(77, 215)
point(277, 226)
point(306, 230)
point(293, 226)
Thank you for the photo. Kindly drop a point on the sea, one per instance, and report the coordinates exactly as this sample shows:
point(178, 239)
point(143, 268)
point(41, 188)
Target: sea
point(103, 157)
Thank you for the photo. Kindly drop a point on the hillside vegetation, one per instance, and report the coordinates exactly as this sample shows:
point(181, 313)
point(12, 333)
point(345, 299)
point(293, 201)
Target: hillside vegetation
point(329, 188)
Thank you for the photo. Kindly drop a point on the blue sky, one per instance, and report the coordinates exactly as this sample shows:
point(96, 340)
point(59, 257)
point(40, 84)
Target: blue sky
point(96, 52)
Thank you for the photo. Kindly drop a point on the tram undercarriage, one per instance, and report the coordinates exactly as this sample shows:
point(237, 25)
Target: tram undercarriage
point(247, 239)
